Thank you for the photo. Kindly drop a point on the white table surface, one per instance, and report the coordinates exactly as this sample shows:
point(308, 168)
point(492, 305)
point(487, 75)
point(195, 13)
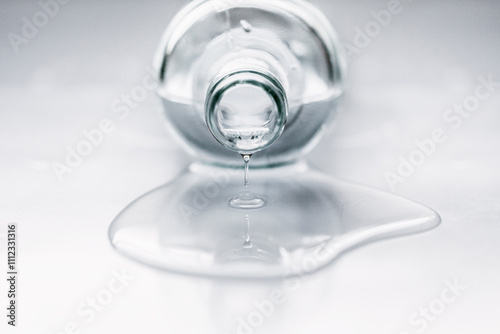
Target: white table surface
point(64, 81)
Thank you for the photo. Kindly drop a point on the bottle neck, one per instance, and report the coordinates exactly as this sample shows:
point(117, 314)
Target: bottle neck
point(246, 110)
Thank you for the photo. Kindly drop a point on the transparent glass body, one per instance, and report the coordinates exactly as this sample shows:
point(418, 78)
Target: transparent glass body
point(252, 75)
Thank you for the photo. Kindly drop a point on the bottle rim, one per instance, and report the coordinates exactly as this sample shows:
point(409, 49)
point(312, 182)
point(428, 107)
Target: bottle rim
point(264, 81)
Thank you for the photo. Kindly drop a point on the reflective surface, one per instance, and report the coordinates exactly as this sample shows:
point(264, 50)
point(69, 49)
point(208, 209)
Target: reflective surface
point(190, 225)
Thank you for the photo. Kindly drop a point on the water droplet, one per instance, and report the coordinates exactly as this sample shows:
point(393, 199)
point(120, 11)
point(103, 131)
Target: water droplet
point(246, 26)
point(247, 201)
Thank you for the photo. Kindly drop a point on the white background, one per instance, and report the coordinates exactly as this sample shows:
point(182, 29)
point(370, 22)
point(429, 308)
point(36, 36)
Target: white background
point(65, 79)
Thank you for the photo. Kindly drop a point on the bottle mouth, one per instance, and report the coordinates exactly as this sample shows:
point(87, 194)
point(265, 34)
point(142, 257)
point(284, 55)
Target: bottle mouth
point(246, 111)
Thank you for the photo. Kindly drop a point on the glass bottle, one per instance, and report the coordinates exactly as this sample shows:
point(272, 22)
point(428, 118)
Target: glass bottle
point(254, 75)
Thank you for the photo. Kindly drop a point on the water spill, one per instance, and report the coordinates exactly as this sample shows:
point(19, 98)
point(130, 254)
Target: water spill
point(186, 227)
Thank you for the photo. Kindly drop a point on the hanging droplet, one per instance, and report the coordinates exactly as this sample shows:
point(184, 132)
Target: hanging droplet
point(246, 158)
point(246, 200)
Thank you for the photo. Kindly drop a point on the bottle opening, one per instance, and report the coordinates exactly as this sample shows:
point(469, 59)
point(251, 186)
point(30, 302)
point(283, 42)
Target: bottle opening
point(246, 111)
